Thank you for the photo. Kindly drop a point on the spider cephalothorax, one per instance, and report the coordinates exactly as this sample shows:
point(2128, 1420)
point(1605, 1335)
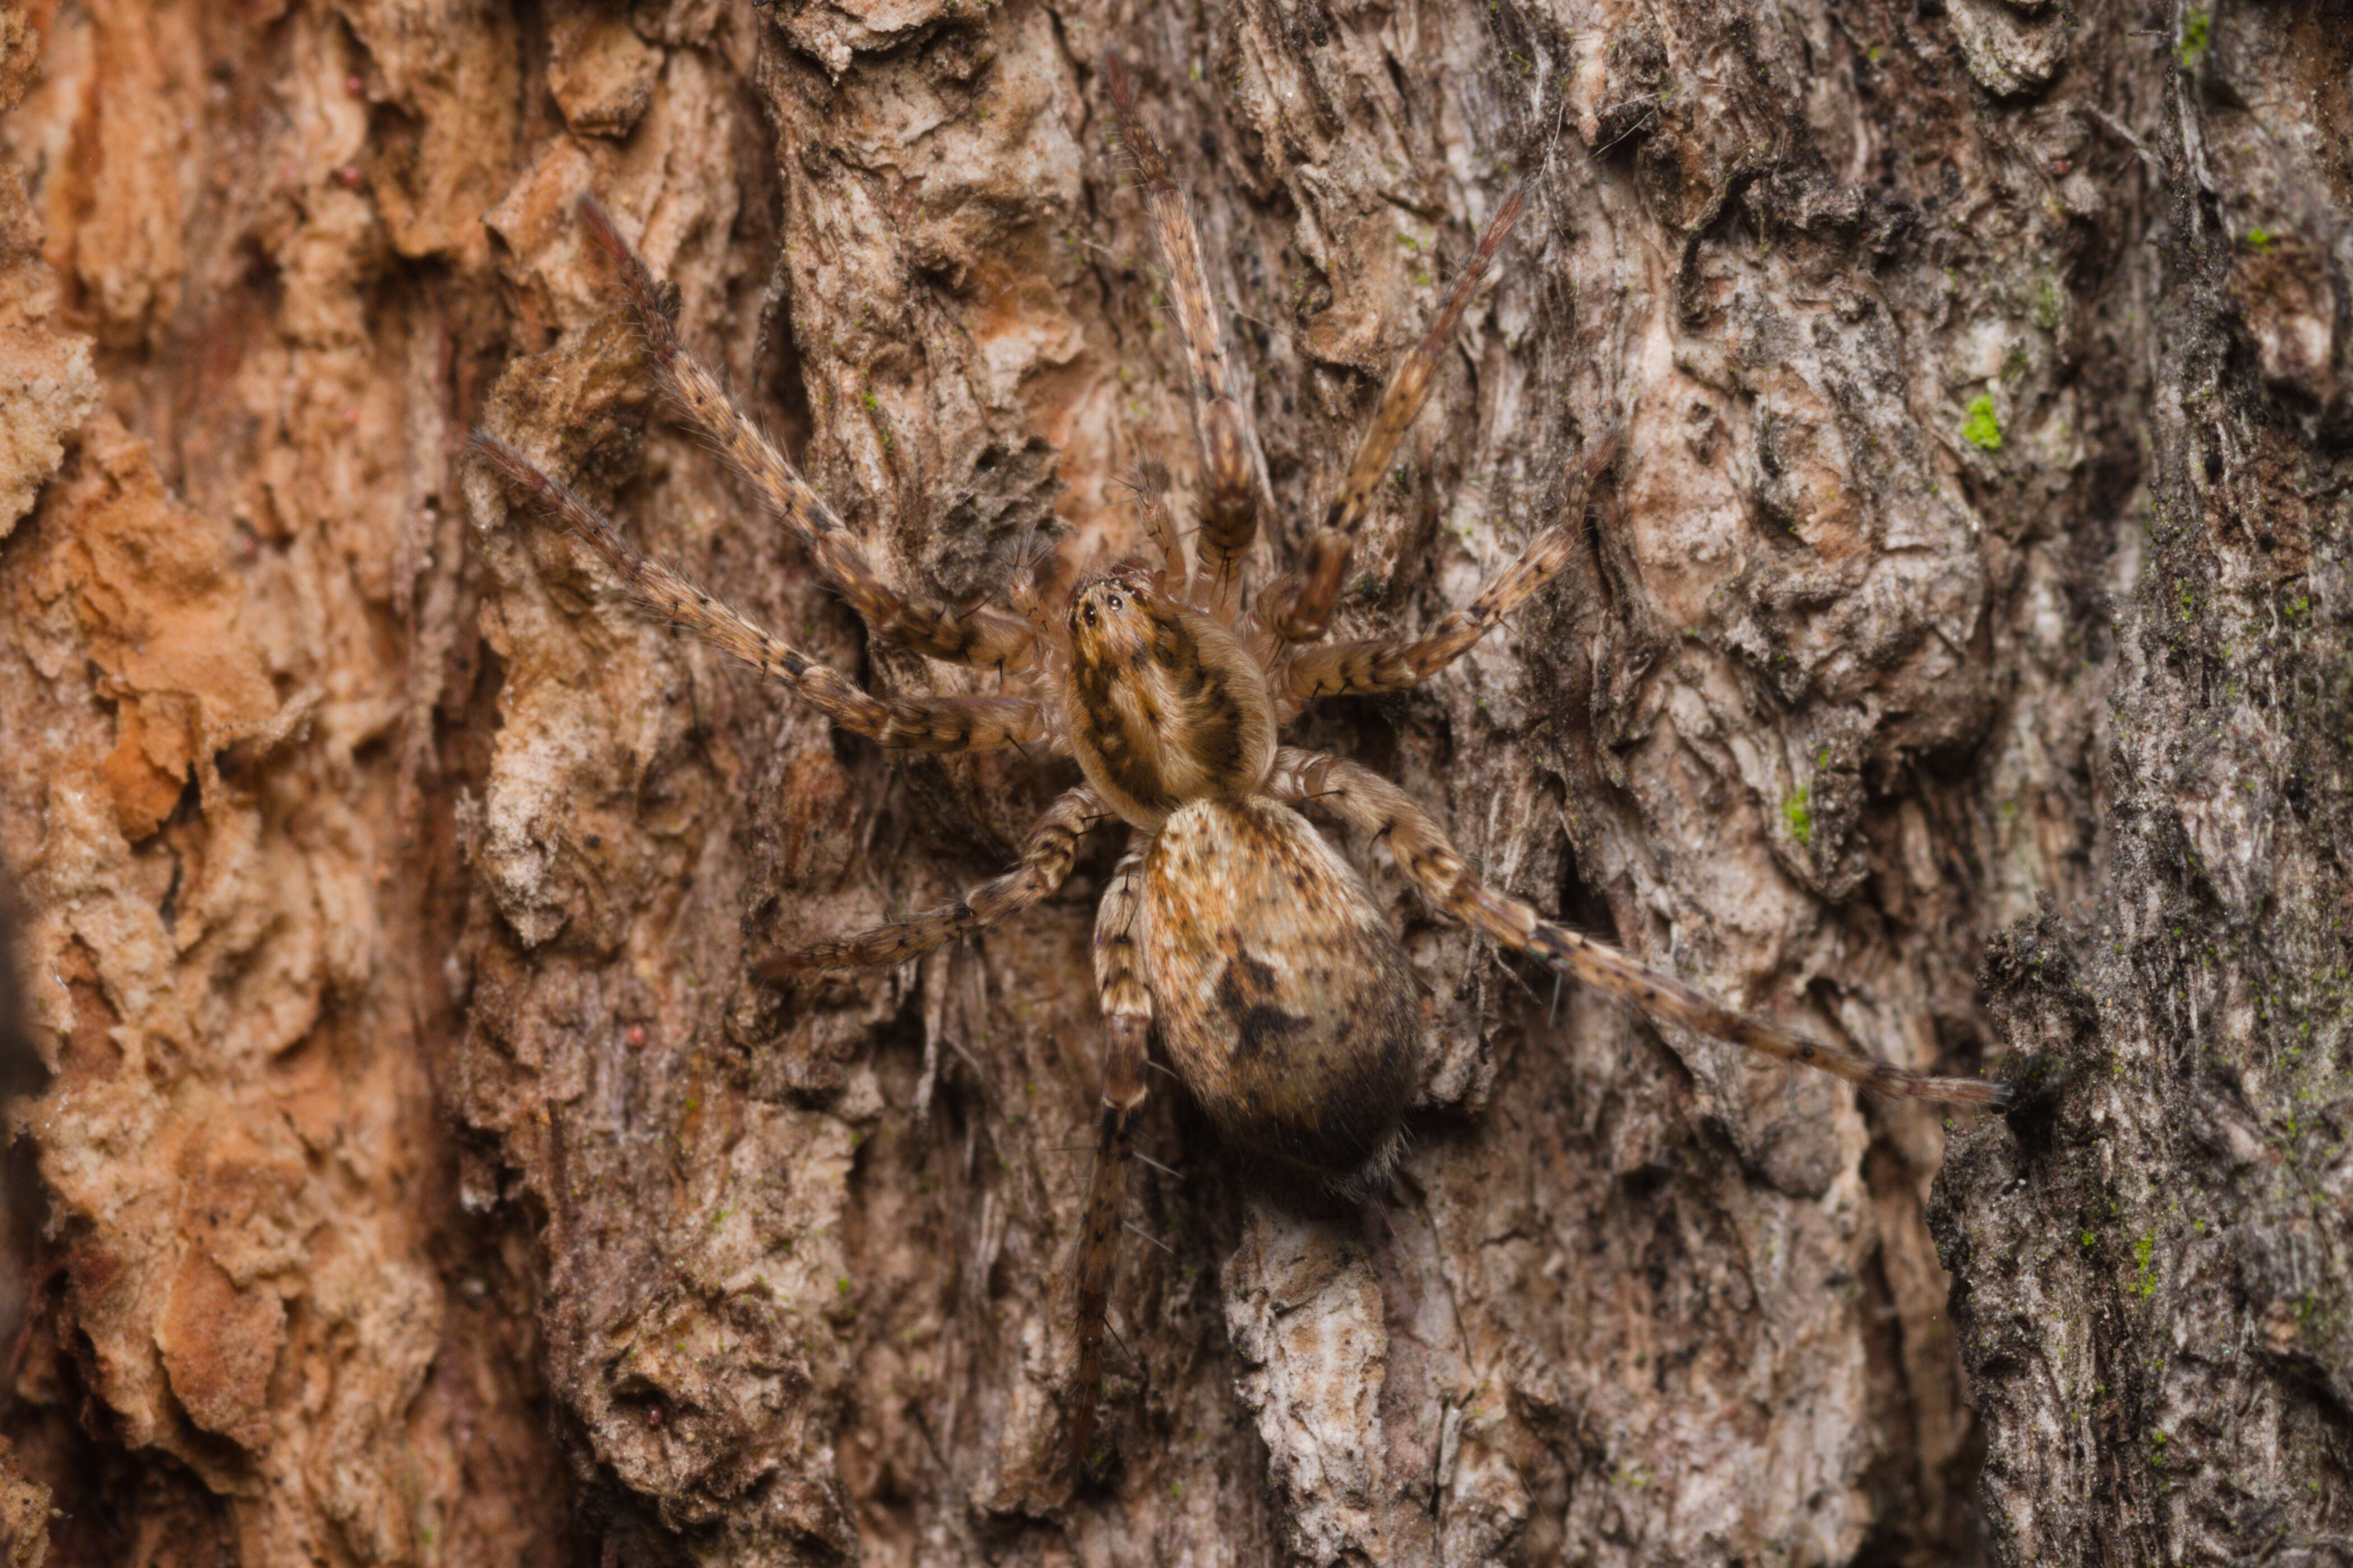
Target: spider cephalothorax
point(1163, 703)
point(1232, 930)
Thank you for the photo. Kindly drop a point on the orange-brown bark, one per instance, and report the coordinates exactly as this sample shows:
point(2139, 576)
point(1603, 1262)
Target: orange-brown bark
point(420, 1178)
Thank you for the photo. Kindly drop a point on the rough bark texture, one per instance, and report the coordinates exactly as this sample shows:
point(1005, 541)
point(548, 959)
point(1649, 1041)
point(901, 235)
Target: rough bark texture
point(2163, 1357)
point(419, 1181)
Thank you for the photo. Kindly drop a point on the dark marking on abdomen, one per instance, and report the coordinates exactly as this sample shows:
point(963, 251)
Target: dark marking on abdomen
point(1245, 991)
point(1282, 995)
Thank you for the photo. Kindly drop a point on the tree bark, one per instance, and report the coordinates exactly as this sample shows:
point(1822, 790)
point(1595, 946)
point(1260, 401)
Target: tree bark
point(2162, 1353)
point(418, 1179)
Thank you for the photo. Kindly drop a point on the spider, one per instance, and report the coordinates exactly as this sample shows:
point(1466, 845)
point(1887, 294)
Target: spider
point(1231, 927)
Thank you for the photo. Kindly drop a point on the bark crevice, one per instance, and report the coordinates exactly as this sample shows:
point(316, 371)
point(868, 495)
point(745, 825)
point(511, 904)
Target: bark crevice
point(1957, 667)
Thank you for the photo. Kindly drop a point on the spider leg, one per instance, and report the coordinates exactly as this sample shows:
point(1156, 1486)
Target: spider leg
point(1392, 664)
point(982, 637)
point(1298, 608)
point(1364, 799)
point(1128, 1023)
point(1229, 509)
point(923, 724)
point(1174, 580)
point(1046, 858)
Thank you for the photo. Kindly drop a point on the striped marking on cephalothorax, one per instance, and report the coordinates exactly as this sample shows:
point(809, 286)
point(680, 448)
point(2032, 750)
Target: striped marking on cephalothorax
point(1164, 706)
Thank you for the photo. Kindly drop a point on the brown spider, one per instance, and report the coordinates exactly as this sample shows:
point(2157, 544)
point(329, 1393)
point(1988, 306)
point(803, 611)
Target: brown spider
point(1232, 925)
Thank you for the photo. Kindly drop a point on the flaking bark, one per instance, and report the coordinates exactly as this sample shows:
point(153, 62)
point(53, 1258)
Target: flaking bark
point(419, 1178)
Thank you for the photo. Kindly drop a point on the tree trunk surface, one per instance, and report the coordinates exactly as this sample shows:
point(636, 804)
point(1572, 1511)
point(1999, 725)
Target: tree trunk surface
point(1958, 664)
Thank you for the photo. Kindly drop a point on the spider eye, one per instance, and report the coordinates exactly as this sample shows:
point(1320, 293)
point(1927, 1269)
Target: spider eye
point(1090, 612)
point(1112, 601)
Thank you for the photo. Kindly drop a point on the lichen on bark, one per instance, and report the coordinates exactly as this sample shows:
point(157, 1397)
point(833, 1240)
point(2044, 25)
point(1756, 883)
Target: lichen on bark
point(2156, 1255)
point(422, 1181)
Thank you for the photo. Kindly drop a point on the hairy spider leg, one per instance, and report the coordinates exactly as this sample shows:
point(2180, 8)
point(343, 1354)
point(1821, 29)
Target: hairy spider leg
point(1393, 664)
point(1045, 861)
point(916, 723)
point(1230, 481)
point(1364, 799)
point(1298, 608)
point(1172, 582)
point(1127, 1024)
point(981, 636)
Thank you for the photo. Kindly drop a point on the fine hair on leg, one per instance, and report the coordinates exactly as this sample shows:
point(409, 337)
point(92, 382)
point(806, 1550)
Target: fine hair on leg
point(1127, 1024)
point(1365, 800)
point(916, 723)
point(1393, 664)
point(1299, 607)
point(1228, 476)
point(985, 637)
point(1045, 861)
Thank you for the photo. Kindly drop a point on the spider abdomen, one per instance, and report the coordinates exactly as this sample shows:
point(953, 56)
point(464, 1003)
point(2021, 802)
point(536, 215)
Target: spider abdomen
point(1281, 994)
